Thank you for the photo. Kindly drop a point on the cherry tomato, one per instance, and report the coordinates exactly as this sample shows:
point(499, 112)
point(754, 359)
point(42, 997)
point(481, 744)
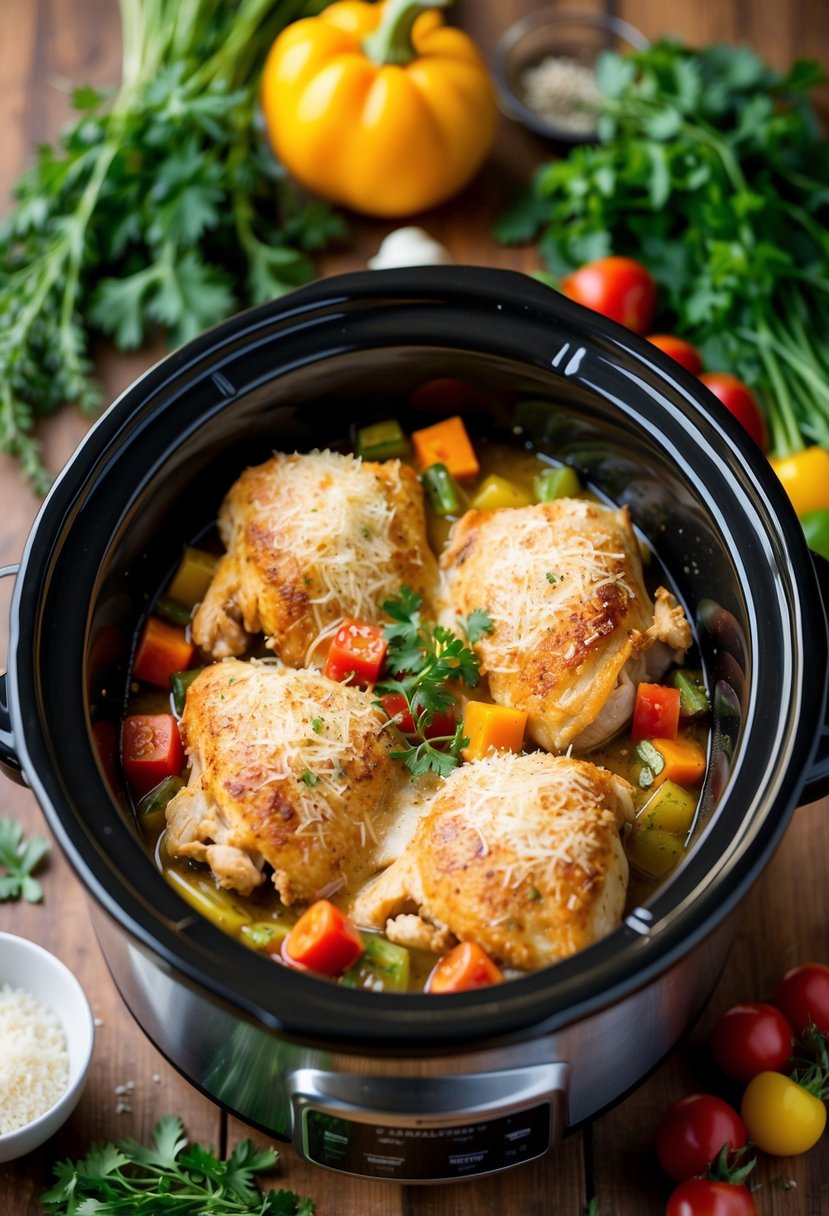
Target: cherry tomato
point(740, 401)
point(618, 288)
point(323, 940)
point(679, 349)
point(692, 1133)
point(780, 1116)
point(803, 995)
point(357, 651)
point(465, 967)
point(702, 1197)
point(751, 1038)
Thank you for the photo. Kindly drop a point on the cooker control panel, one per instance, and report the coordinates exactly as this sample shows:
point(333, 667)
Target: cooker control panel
point(428, 1129)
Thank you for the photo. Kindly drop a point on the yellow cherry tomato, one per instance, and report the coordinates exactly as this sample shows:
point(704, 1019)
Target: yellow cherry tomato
point(805, 478)
point(379, 107)
point(781, 1117)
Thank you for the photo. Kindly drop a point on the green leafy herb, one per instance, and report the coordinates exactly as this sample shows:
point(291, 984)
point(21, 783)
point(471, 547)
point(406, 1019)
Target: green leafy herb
point(476, 625)
point(425, 658)
point(20, 859)
point(308, 777)
point(551, 578)
point(161, 206)
point(317, 725)
point(170, 1176)
point(711, 170)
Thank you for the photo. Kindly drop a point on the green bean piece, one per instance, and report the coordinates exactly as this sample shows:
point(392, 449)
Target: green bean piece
point(562, 482)
point(382, 967)
point(693, 699)
point(441, 490)
point(264, 935)
point(173, 612)
point(381, 440)
point(152, 806)
point(180, 681)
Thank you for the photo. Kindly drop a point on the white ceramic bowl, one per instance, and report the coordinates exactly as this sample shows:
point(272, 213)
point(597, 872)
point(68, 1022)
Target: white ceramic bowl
point(26, 965)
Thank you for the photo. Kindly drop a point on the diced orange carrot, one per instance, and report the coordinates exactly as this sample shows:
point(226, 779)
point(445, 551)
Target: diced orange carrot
point(162, 650)
point(684, 761)
point(490, 727)
point(446, 443)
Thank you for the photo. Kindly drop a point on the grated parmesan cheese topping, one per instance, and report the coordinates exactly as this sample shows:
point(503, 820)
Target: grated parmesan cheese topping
point(539, 568)
point(34, 1063)
point(301, 729)
point(499, 799)
point(338, 526)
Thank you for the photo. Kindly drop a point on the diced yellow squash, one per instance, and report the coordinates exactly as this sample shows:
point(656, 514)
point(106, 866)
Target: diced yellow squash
point(495, 492)
point(200, 892)
point(653, 852)
point(669, 809)
point(191, 580)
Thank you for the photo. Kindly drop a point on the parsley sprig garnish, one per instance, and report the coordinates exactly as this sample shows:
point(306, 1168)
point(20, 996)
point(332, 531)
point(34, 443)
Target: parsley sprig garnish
point(126, 1178)
point(20, 859)
point(425, 658)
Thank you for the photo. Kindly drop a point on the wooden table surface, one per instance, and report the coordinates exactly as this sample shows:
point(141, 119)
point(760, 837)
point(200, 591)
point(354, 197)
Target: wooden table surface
point(43, 45)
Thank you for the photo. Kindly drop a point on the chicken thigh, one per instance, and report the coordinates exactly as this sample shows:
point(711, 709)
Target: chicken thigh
point(312, 539)
point(288, 768)
point(519, 853)
point(572, 622)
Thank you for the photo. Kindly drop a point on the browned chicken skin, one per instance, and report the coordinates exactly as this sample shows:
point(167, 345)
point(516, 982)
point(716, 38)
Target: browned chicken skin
point(520, 853)
point(289, 768)
point(311, 539)
point(572, 621)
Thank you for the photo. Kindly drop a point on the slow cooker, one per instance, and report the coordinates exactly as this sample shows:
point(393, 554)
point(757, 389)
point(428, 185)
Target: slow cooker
point(412, 1087)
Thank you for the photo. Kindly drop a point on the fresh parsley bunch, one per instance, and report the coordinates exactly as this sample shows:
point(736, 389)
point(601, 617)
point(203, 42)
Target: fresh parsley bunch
point(711, 170)
point(170, 1176)
point(160, 206)
point(425, 658)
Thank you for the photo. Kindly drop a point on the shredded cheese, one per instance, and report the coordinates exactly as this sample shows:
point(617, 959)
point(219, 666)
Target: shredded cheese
point(34, 1063)
point(336, 518)
point(498, 800)
point(542, 564)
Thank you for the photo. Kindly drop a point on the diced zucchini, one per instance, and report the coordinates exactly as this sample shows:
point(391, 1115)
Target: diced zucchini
point(265, 935)
point(381, 440)
point(382, 967)
point(214, 903)
point(191, 580)
point(562, 482)
point(180, 681)
point(495, 492)
point(693, 699)
point(173, 612)
point(152, 806)
point(669, 809)
point(653, 852)
point(442, 490)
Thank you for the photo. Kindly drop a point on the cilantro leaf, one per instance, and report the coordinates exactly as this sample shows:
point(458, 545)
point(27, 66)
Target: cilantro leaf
point(20, 858)
point(477, 624)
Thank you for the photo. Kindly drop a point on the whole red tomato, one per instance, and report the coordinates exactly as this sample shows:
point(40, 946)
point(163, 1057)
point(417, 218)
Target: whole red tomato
point(751, 1038)
point(739, 400)
point(692, 1133)
point(680, 350)
point(702, 1197)
point(618, 288)
point(803, 995)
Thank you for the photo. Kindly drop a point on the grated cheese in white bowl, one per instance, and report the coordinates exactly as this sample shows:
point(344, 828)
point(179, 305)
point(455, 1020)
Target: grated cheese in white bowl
point(34, 1061)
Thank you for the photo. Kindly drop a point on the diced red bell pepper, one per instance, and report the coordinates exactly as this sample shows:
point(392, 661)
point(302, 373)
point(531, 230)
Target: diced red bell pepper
point(323, 940)
point(163, 649)
point(441, 726)
point(465, 967)
point(358, 650)
point(151, 751)
point(655, 712)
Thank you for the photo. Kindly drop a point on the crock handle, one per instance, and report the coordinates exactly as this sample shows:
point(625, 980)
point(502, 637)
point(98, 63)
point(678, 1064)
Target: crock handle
point(817, 778)
point(8, 756)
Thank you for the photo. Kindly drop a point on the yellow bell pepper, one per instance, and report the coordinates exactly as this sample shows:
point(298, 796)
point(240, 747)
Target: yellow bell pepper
point(805, 478)
point(379, 107)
